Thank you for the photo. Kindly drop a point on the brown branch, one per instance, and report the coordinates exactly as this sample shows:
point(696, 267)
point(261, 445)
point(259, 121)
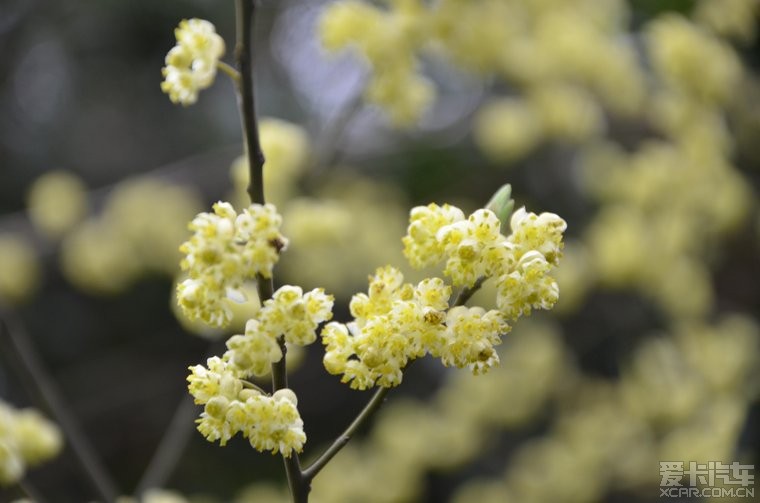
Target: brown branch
point(372, 406)
point(246, 18)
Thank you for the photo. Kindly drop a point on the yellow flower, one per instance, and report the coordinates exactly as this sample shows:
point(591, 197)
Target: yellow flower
point(295, 315)
point(469, 338)
point(691, 60)
point(254, 352)
point(56, 202)
point(542, 233)
point(224, 251)
point(191, 64)
point(527, 287)
point(394, 323)
point(26, 439)
point(19, 270)
point(507, 129)
point(421, 246)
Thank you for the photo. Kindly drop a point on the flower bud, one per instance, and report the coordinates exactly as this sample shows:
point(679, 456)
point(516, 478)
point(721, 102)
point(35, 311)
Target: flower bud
point(247, 393)
point(217, 407)
point(286, 394)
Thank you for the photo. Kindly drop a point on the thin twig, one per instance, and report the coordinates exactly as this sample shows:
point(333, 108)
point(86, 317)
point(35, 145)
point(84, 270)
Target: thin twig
point(31, 366)
point(246, 17)
point(229, 71)
point(30, 491)
point(467, 292)
point(174, 440)
point(372, 406)
point(169, 451)
point(326, 152)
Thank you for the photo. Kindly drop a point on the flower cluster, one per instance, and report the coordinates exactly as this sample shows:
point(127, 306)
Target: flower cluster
point(270, 423)
point(475, 249)
point(191, 64)
point(106, 253)
point(536, 246)
point(289, 313)
point(679, 48)
point(253, 352)
point(26, 439)
point(396, 322)
point(387, 40)
point(226, 249)
point(553, 50)
point(296, 315)
point(231, 406)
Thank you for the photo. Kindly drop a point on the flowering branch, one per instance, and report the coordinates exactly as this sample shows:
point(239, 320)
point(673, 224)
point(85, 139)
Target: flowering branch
point(395, 322)
point(245, 17)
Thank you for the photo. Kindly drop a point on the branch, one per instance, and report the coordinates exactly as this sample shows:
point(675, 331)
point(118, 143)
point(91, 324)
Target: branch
point(230, 72)
point(30, 491)
point(245, 20)
point(174, 440)
point(467, 292)
point(326, 151)
point(170, 449)
point(32, 370)
point(372, 406)
point(246, 16)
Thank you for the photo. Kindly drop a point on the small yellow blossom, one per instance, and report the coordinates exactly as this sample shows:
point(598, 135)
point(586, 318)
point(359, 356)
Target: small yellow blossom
point(217, 378)
point(729, 18)
point(421, 247)
point(56, 202)
point(527, 287)
point(691, 60)
point(225, 250)
point(380, 341)
point(345, 23)
point(567, 112)
point(191, 64)
point(542, 233)
point(387, 40)
point(394, 323)
point(274, 423)
point(269, 423)
point(470, 337)
point(26, 439)
point(507, 129)
point(19, 269)
point(296, 315)
point(475, 248)
point(254, 352)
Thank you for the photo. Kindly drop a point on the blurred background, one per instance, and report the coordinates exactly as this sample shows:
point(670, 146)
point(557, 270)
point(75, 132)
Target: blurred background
point(636, 121)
